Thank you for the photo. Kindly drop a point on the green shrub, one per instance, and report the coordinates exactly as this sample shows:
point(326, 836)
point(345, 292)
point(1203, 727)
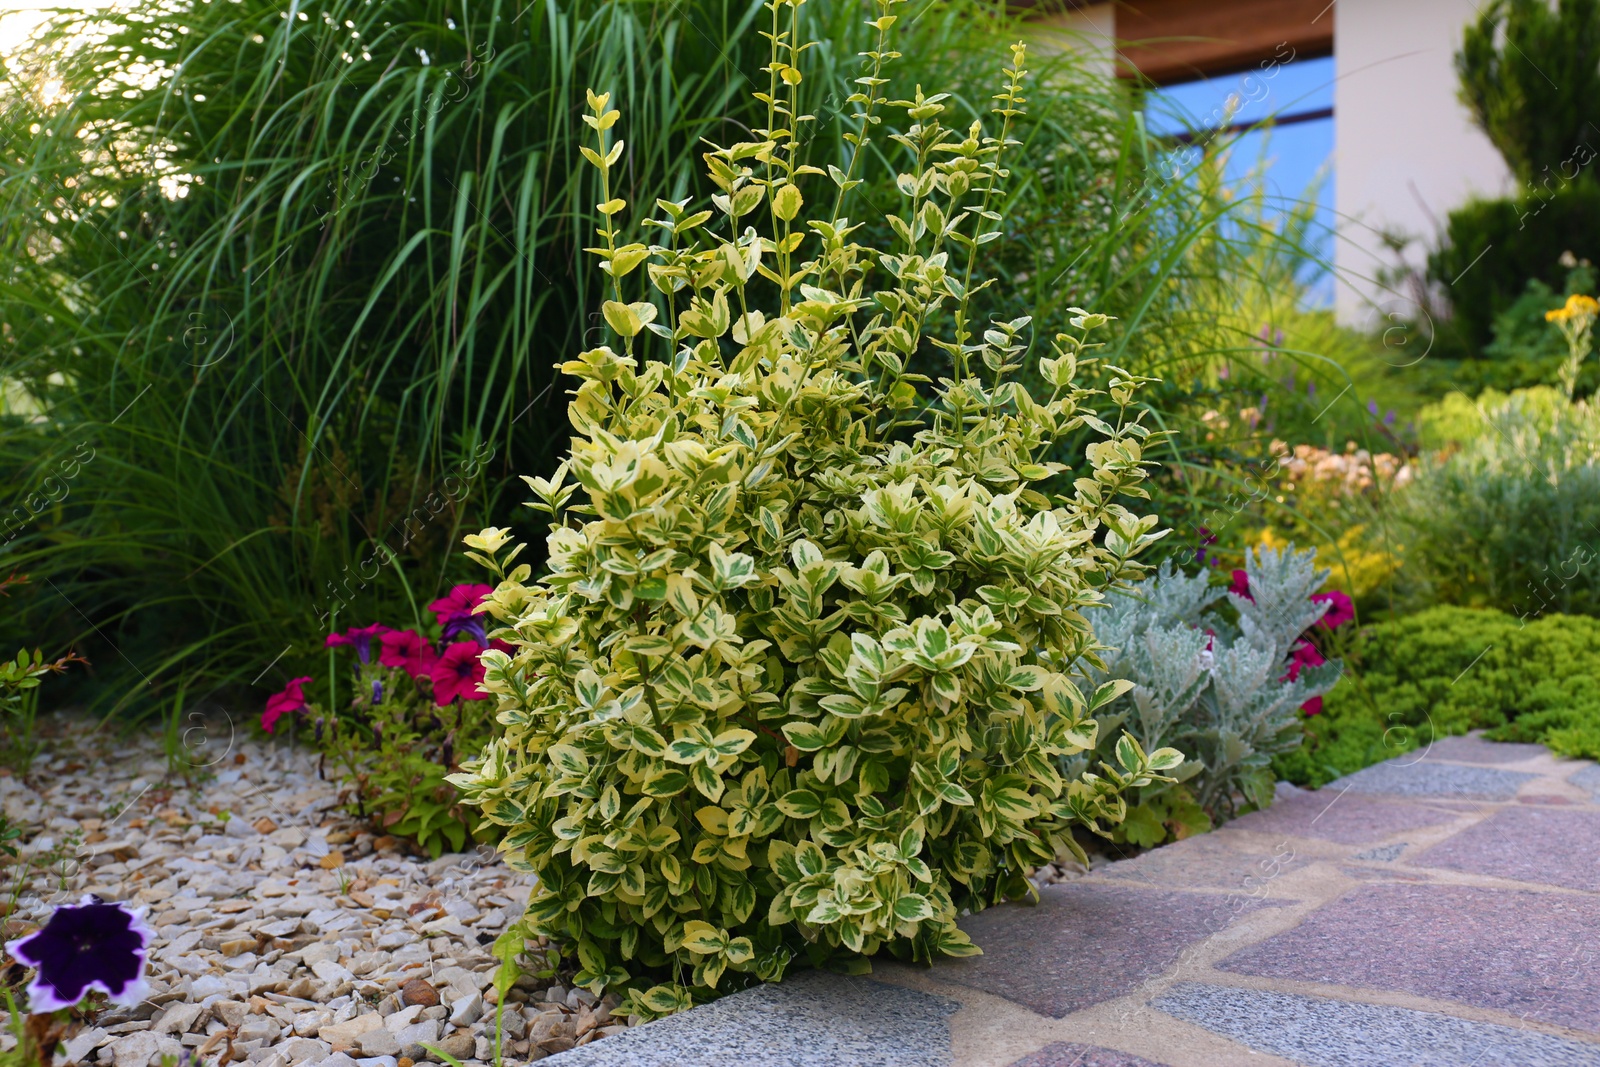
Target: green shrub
point(1535, 111)
point(1529, 237)
point(1448, 670)
point(796, 678)
point(1227, 687)
point(1510, 519)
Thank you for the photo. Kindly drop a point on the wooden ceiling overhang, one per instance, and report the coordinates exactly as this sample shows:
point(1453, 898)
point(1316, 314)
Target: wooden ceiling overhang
point(1168, 41)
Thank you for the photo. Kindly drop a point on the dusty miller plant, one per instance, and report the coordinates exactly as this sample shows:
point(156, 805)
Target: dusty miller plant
point(1214, 689)
point(807, 652)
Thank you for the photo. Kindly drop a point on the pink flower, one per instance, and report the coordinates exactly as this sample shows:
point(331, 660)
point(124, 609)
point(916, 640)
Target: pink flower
point(1305, 654)
point(1240, 585)
point(1341, 609)
point(409, 651)
point(454, 612)
point(360, 638)
point(458, 674)
point(280, 704)
point(459, 601)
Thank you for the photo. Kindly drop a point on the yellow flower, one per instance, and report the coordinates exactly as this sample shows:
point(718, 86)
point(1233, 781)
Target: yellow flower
point(1577, 306)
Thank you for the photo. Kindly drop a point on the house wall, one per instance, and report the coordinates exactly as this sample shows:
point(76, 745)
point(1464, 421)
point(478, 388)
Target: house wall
point(1405, 151)
point(1091, 29)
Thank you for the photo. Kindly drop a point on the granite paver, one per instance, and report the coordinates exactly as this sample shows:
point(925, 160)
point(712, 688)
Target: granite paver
point(809, 1020)
point(1411, 776)
point(1320, 1032)
point(1072, 1054)
point(1216, 860)
point(1511, 950)
point(1085, 942)
point(1332, 814)
point(1551, 846)
point(1588, 778)
point(1477, 750)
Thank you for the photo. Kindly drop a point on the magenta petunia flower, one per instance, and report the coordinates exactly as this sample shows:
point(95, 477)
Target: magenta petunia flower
point(360, 638)
point(280, 704)
point(1304, 654)
point(1341, 609)
point(1312, 706)
point(454, 612)
point(409, 651)
point(457, 675)
point(1240, 586)
point(92, 945)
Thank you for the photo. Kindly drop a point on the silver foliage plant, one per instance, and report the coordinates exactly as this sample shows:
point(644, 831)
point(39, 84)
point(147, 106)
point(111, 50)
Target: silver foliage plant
point(1220, 691)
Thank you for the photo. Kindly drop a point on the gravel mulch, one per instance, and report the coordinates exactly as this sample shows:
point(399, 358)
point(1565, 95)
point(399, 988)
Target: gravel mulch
point(287, 933)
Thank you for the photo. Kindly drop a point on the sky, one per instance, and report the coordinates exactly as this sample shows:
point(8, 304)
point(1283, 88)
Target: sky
point(1293, 156)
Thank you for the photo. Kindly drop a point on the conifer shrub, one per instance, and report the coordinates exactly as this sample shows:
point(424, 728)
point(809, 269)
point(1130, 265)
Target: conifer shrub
point(795, 681)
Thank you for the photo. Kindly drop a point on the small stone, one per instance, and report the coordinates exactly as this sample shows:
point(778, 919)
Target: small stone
point(304, 1048)
point(259, 1028)
point(331, 860)
point(418, 991)
point(137, 1050)
point(237, 946)
point(459, 1045)
point(87, 1040)
point(402, 1017)
point(467, 1010)
point(378, 1061)
point(265, 825)
point(178, 1019)
point(344, 1035)
point(416, 1034)
point(580, 998)
point(378, 1042)
point(230, 1012)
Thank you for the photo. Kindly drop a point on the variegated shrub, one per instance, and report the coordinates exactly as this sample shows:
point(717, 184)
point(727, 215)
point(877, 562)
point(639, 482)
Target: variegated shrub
point(798, 675)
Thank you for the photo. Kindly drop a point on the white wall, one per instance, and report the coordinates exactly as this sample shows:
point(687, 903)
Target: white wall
point(1405, 151)
point(1091, 29)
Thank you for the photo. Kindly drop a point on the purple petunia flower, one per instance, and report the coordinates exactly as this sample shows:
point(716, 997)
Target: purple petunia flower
point(93, 945)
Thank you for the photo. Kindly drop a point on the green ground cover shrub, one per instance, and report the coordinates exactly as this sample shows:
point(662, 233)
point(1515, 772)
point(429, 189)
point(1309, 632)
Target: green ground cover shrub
point(793, 684)
point(1448, 670)
point(1223, 676)
point(1509, 519)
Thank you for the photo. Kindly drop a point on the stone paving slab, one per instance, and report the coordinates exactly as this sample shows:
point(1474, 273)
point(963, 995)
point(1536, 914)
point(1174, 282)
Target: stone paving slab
point(1588, 778)
point(1218, 860)
point(1507, 949)
point(1409, 776)
point(1072, 1054)
point(1477, 750)
point(1540, 845)
point(1346, 818)
point(1320, 1032)
point(1086, 943)
point(809, 1020)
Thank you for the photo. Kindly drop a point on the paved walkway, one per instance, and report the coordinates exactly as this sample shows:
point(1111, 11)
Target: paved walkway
point(1440, 911)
